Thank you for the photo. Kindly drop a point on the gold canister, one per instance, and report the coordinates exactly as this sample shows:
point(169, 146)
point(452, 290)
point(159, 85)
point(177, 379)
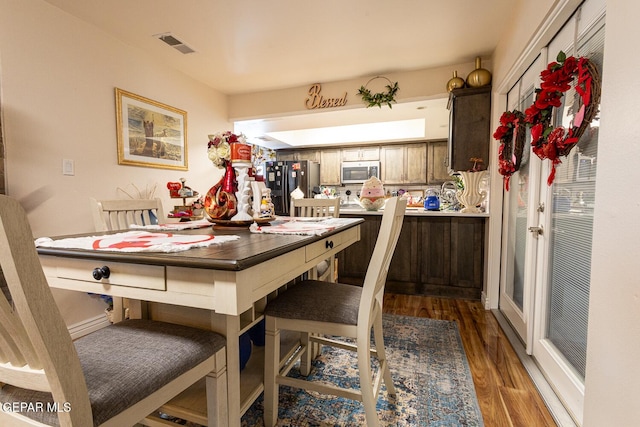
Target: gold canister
point(455, 82)
point(478, 77)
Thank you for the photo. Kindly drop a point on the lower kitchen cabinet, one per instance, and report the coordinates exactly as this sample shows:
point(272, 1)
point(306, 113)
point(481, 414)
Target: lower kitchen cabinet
point(438, 256)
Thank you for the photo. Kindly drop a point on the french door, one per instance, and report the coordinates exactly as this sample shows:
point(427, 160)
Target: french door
point(520, 209)
point(547, 229)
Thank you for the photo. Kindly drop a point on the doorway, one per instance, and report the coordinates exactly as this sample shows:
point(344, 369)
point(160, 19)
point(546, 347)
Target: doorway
point(547, 230)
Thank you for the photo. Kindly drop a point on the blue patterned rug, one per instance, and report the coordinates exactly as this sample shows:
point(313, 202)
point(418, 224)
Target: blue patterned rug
point(429, 368)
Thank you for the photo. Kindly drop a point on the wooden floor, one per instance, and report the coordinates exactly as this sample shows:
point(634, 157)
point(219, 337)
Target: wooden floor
point(506, 394)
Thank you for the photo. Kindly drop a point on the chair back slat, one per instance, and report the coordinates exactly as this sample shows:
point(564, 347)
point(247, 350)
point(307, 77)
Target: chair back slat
point(34, 318)
point(315, 207)
point(110, 215)
point(376, 276)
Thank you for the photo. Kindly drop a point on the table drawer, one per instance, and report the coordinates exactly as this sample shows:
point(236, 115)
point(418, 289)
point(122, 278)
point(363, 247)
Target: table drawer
point(331, 243)
point(120, 274)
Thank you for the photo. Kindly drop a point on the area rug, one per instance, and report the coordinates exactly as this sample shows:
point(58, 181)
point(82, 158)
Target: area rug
point(429, 369)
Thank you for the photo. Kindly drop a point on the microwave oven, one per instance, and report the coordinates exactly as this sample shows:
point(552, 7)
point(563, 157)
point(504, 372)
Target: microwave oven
point(358, 172)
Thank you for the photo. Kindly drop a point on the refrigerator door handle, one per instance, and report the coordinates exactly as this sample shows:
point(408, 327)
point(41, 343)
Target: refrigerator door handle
point(285, 189)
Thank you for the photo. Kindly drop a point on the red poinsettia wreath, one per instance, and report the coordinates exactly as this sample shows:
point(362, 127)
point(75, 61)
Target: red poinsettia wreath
point(511, 134)
point(551, 142)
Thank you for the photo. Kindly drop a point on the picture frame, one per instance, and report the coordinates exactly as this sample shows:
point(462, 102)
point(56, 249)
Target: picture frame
point(150, 133)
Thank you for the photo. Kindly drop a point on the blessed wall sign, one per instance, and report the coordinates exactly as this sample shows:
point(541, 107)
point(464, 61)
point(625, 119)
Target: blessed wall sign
point(316, 100)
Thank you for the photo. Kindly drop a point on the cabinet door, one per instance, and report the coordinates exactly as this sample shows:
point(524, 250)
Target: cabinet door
point(435, 251)
point(416, 164)
point(437, 171)
point(360, 154)
point(467, 254)
point(404, 264)
point(330, 167)
point(354, 260)
point(392, 164)
point(469, 127)
point(311, 155)
point(369, 153)
point(285, 155)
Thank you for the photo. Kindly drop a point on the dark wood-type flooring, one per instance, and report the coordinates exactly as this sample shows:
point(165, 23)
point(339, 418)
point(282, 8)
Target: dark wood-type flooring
point(506, 394)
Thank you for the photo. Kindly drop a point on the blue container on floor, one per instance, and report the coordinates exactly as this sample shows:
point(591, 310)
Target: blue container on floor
point(257, 333)
point(245, 349)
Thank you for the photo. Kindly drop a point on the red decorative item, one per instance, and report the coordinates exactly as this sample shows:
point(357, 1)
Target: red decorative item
point(174, 189)
point(552, 142)
point(240, 152)
point(511, 134)
point(220, 201)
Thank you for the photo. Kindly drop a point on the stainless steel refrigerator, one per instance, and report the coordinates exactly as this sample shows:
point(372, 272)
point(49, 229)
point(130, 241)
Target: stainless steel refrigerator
point(282, 177)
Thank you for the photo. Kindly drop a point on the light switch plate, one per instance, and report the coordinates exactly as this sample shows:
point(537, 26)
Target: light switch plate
point(68, 167)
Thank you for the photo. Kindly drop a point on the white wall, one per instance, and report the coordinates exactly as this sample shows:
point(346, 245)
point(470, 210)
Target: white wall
point(613, 352)
point(58, 78)
point(612, 382)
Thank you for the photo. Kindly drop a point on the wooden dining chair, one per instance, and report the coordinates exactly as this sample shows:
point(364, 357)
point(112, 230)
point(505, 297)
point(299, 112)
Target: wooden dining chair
point(120, 214)
point(311, 207)
point(322, 311)
point(115, 376)
point(315, 208)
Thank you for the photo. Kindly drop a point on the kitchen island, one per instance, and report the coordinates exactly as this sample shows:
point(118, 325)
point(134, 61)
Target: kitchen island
point(439, 253)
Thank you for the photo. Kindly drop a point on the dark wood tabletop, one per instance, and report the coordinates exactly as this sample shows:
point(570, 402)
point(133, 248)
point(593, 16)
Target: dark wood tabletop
point(251, 249)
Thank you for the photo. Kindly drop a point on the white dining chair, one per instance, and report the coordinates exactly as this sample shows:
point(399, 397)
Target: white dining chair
point(115, 376)
point(323, 311)
point(120, 214)
point(317, 208)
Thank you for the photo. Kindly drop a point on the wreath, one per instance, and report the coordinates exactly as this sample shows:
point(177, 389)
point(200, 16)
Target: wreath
point(551, 142)
point(377, 99)
point(511, 134)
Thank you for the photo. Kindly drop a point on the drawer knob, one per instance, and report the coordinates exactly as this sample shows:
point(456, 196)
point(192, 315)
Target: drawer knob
point(100, 273)
point(328, 244)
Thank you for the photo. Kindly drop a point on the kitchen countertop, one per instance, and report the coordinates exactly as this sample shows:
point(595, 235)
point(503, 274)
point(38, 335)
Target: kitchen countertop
point(353, 209)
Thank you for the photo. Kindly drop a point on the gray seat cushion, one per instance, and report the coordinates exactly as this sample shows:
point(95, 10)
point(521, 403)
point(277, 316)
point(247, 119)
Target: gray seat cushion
point(125, 362)
point(318, 301)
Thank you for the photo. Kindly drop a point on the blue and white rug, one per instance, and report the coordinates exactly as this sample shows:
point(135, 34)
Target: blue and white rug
point(429, 369)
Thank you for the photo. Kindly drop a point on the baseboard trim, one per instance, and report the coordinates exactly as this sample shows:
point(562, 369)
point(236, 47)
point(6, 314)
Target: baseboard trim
point(555, 406)
point(87, 326)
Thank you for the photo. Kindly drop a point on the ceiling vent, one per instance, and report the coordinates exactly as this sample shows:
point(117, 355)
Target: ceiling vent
point(174, 43)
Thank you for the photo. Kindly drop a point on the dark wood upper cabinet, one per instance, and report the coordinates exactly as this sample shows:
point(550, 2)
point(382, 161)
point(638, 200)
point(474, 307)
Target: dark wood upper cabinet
point(469, 127)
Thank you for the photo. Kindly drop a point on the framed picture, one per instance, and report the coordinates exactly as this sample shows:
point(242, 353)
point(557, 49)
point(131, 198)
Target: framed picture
point(150, 133)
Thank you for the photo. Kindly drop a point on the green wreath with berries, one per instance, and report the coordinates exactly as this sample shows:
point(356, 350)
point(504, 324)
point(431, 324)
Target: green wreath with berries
point(378, 99)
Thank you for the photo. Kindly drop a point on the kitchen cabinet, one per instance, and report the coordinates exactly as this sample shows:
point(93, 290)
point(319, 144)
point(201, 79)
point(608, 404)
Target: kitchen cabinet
point(437, 161)
point(330, 166)
point(435, 255)
point(469, 127)
point(360, 154)
point(311, 155)
point(404, 164)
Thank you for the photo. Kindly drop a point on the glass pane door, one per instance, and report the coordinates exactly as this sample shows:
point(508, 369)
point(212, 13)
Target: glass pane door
point(519, 248)
point(560, 338)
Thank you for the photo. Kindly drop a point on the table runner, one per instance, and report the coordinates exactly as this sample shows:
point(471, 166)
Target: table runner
point(136, 241)
point(302, 226)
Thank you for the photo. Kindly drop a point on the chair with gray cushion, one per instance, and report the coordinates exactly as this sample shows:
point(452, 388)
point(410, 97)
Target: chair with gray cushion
point(120, 214)
point(322, 312)
point(315, 208)
point(115, 376)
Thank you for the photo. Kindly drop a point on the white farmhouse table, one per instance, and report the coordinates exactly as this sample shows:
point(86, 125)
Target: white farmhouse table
point(223, 287)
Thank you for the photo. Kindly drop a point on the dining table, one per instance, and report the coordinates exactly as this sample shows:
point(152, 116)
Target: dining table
point(223, 286)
